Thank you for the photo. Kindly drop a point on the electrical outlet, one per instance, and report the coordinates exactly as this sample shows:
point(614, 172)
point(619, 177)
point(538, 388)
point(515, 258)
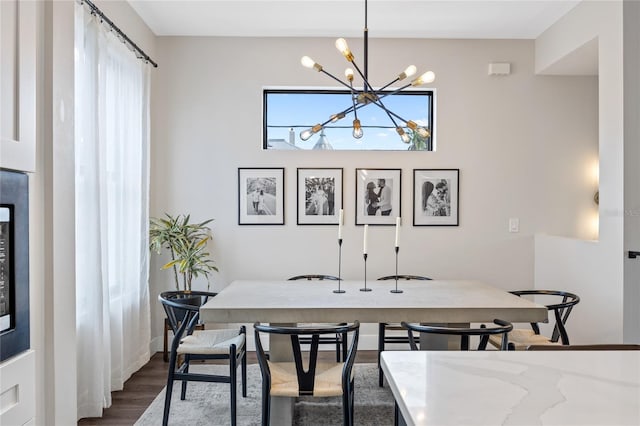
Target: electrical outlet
point(514, 224)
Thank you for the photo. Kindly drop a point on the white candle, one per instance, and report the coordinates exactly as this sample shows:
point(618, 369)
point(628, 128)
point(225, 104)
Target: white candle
point(364, 248)
point(397, 231)
point(340, 219)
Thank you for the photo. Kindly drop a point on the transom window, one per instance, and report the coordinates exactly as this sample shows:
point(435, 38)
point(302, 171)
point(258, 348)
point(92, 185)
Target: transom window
point(286, 113)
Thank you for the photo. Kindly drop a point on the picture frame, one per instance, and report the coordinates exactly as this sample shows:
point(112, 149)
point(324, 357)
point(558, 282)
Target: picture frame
point(373, 201)
point(320, 195)
point(261, 196)
point(436, 197)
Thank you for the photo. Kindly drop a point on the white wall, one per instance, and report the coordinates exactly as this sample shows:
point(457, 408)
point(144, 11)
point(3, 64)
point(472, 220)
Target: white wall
point(525, 145)
point(593, 271)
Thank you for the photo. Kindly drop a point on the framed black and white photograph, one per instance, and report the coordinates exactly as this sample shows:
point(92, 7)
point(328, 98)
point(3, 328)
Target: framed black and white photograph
point(378, 196)
point(435, 197)
point(261, 196)
point(319, 196)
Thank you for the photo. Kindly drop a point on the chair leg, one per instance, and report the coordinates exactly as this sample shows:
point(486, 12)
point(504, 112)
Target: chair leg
point(243, 366)
point(183, 391)
point(380, 349)
point(464, 342)
point(266, 404)
point(338, 344)
point(344, 347)
point(169, 388)
point(233, 376)
point(346, 407)
point(483, 342)
point(352, 406)
point(396, 414)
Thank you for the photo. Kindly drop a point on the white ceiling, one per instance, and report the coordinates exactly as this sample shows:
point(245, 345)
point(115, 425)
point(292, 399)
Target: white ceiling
point(497, 19)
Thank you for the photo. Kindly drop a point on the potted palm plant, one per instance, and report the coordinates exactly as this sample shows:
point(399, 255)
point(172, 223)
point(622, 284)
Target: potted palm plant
point(187, 245)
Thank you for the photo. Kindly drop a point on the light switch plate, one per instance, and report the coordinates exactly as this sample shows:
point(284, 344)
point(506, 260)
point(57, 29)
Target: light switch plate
point(514, 224)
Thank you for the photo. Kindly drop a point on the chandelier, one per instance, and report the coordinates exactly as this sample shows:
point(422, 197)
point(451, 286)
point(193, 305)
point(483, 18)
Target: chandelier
point(368, 95)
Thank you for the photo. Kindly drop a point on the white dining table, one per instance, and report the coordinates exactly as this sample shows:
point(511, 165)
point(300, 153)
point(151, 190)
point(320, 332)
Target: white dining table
point(282, 302)
point(435, 301)
point(515, 387)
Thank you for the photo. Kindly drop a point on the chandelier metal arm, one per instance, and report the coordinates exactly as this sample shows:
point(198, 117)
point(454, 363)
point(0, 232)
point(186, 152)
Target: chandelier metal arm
point(377, 102)
point(353, 99)
point(364, 78)
point(356, 107)
point(390, 114)
point(337, 79)
point(384, 95)
point(387, 85)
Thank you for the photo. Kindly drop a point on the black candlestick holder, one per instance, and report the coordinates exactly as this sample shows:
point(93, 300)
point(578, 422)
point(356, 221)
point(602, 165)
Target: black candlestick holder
point(339, 290)
point(365, 288)
point(396, 289)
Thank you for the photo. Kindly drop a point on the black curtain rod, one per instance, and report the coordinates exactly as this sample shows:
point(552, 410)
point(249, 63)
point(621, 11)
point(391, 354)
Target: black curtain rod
point(95, 10)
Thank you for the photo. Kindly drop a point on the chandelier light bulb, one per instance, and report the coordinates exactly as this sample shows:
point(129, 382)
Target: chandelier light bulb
point(427, 77)
point(307, 62)
point(357, 129)
point(424, 133)
point(306, 134)
point(336, 117)
point(343, 47)
point(411, 70)
point(403, 135)
point(349, 74)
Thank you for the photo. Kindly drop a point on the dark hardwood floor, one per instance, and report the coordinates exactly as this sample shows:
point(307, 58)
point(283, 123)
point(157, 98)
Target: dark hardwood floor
point(142, 388)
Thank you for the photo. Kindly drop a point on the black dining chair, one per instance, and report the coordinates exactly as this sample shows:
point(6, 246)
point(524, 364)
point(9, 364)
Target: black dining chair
point(307, 376)
point(500, 329)
point(561, 303)
point(385, 327)
point(183, 311)
point(338, 340)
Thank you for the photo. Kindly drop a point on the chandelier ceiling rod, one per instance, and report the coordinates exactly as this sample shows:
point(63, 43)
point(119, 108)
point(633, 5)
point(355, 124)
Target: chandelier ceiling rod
point(369, 95)
point(366, 46)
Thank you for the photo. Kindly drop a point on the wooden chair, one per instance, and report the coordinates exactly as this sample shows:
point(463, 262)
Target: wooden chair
point(562, 303)
point(318, 379)
point(182, 311)
point(383, 327)
point(596, 347)
point(338, 340)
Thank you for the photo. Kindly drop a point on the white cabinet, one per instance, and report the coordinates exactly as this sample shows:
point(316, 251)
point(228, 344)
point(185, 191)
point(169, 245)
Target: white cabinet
point(18, 389)
point(18, 25)
point(18, 29)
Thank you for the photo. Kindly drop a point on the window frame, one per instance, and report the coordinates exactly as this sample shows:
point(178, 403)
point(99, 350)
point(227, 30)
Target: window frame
point(429, 93)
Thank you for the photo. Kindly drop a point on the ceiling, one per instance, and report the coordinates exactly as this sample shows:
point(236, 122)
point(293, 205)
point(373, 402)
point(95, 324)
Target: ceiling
point(497, 19)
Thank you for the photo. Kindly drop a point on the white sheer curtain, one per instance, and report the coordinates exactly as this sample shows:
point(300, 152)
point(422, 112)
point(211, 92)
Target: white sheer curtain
point(112, 186)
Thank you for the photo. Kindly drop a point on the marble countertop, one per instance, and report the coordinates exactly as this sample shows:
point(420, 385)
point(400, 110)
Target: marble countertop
point(446, 301)
point(515, 388)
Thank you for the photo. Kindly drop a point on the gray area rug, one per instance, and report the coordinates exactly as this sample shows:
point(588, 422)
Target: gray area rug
point(208, 403)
